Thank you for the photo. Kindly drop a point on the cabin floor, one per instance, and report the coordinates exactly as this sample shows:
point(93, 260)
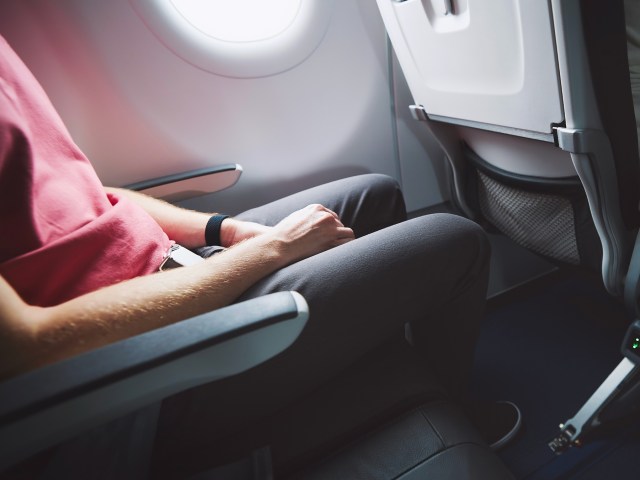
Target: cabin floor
point(547, 346)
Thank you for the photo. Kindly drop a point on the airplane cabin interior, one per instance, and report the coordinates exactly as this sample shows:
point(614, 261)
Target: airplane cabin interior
point(521, 115)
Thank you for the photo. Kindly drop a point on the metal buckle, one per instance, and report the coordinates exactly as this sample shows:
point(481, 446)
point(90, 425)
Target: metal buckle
point(168, 262)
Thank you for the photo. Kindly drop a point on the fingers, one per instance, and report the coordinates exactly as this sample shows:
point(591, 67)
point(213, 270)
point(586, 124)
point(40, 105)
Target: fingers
point(345, 235)
point(334, 214)
point(321, 208)
point(311, 230)
point(341, 233)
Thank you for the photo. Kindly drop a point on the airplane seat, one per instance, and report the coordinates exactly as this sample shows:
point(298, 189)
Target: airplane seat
point(384, 417)
point(410, 430)
point(531, 102)
point(66, 400)
point(433, 440)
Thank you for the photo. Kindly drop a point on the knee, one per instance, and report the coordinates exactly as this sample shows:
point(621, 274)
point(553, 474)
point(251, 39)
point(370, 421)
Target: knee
point(467, 237)
point(457, 237)
point(383, 185)
point(385, 194)
point(469, 229)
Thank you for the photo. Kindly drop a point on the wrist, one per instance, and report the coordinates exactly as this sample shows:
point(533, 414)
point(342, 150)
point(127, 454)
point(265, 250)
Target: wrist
point(234, 231)
point(229, 232)
point(275, 250)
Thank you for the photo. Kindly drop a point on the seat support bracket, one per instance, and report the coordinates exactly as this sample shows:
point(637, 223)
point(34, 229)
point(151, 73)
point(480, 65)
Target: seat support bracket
point(592, 158)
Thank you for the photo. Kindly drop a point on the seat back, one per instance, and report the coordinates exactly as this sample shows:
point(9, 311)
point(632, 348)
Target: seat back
point(531, 102)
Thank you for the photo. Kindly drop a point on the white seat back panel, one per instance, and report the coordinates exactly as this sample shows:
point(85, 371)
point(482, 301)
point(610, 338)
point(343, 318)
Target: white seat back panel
point(490, 61)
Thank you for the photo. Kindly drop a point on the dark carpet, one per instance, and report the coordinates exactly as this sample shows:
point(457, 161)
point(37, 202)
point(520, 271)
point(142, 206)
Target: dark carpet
point(547, 346)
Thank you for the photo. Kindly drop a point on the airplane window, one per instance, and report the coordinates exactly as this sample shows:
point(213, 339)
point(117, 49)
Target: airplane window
point(238, 38)
point(239, 20)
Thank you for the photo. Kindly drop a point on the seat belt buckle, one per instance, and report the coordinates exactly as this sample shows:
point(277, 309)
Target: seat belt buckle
point(588, 417)
point(178, 256)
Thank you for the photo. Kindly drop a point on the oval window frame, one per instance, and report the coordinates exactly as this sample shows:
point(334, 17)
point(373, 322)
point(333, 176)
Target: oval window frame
point(249, 59)
point(234, 28)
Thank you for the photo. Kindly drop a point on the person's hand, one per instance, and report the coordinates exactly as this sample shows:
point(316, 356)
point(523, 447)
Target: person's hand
point(310, 230)
point(233, 231)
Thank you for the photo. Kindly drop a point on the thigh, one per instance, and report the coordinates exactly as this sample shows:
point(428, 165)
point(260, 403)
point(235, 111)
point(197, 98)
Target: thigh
point(431, 271)
point(364, 203)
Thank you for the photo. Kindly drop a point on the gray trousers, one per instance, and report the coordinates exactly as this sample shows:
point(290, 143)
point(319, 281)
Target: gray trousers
point(430, 272)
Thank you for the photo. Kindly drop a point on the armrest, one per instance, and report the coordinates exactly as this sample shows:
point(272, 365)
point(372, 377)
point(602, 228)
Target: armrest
point(44, 407)
point(193, 183)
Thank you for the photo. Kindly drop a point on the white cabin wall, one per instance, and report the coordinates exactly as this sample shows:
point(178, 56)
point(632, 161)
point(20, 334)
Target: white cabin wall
point(140, 111)
point(423, 165)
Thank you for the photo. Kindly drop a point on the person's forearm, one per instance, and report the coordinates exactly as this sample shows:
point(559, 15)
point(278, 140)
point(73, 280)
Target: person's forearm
point(139, 305)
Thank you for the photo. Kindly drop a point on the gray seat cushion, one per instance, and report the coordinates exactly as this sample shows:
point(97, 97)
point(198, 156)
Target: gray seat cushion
point(432, 441)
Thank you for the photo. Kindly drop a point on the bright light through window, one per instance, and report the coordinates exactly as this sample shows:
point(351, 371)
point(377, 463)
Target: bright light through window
point(239, 20)
point(239, 38)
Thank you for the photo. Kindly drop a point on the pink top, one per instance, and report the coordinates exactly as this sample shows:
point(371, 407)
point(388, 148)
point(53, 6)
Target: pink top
point(61, 235)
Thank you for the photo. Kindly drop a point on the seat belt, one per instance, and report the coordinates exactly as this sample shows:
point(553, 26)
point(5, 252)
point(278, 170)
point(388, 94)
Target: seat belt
point(588, 417)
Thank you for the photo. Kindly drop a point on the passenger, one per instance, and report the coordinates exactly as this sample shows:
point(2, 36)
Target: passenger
point(79, 269)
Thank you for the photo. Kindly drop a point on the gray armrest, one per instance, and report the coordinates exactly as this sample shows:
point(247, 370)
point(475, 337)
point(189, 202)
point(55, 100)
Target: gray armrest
point(181, 186)
point(42, 408)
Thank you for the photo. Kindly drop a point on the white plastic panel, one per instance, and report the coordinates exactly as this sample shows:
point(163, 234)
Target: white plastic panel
point(488, 62)
point(521, 156)
point(196, 186)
